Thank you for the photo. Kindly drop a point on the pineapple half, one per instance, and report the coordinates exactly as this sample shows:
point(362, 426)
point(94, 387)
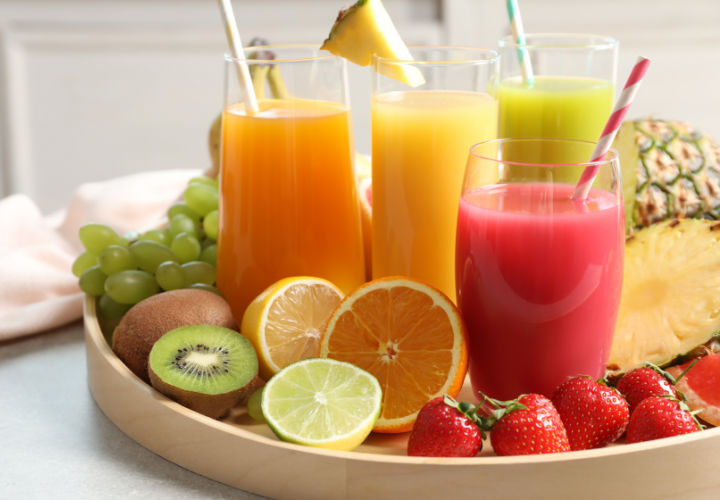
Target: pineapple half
point(364, 29)
point(670, 169)
point(670, 300)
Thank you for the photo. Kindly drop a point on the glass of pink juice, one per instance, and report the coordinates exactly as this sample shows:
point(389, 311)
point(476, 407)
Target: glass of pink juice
point(538, 275)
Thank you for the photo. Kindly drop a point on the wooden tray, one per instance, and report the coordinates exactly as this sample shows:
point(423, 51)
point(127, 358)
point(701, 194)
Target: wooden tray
point(246, 455)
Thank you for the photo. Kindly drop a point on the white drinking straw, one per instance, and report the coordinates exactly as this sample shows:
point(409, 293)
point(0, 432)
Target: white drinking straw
point(518, 34)
point(237, 52)
point(611, 127)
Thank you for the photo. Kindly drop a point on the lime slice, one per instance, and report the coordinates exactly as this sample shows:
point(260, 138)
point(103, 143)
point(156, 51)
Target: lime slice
point(322, 402)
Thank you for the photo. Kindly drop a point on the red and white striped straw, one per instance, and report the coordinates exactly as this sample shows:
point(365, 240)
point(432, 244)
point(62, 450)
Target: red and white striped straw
point(611, 127)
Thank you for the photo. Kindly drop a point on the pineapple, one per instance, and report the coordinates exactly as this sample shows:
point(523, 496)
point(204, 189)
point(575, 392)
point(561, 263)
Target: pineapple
point(364, 29)
point(670, 170)
point(671, 293)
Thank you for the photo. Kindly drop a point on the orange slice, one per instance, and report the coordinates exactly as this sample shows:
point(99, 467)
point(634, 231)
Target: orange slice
point(409, 335)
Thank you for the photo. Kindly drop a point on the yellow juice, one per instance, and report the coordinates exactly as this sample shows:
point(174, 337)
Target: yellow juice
point(420, 144)
point(288, 205)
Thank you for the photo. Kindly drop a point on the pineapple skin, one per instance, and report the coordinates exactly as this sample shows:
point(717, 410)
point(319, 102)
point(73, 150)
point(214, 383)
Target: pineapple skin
point(675, 170)
point(670, 302)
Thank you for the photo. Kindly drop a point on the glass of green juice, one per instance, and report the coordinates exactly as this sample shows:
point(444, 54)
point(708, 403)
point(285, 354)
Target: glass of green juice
point(570, 96)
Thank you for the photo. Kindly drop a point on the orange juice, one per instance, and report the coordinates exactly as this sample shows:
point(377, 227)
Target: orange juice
point(288, 205)
point(420, 144)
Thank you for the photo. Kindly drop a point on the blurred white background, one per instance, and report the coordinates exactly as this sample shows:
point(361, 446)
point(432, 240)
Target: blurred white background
point(93, 89)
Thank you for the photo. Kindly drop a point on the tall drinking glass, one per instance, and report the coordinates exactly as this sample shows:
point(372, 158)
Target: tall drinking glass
point(288, 205)
point(538, 275)
point(571, 95)
point(420, 140)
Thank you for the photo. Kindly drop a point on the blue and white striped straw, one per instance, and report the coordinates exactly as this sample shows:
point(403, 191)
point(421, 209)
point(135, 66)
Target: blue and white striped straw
point(518, 34)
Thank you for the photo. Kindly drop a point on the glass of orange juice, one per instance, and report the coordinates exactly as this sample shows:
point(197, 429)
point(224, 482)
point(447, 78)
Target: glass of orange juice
point(288, 205)
point(421, 136)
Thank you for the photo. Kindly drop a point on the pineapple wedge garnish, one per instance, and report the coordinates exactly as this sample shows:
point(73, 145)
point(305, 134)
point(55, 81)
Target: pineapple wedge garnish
point(670, 300)
point(365, 29)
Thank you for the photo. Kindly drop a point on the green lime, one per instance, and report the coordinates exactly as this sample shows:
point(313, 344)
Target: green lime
point(322, 402)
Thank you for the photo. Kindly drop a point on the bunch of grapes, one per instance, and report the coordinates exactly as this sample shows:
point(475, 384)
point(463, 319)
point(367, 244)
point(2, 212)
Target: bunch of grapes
point(123, 270)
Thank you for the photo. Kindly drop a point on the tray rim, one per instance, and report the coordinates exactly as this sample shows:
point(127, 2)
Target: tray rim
point(95, 338)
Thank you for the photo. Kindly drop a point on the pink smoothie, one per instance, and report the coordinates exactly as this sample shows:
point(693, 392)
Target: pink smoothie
point(538, 281)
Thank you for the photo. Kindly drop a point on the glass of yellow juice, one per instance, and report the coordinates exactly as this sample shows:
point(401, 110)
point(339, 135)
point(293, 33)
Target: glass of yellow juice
point(421, 136)
point(288, 205)
point(570, 94)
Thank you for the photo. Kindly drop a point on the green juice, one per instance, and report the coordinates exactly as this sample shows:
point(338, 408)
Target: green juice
point(555, 106)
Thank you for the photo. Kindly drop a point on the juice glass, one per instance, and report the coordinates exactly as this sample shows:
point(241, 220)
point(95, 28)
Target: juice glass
point(571, 95)
point(288, 204)
point(420, 140)
point(538, 275)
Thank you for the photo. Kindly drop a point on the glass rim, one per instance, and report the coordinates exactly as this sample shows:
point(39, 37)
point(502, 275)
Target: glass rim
point(493, 54)
point(582, 41)
point(610, 157)
point(321, 54)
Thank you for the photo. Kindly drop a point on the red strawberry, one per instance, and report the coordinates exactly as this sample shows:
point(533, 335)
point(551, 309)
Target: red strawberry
point(445, 428)
point(594, 414)
point(658, 417)
point(526, 426)
point(642, 383)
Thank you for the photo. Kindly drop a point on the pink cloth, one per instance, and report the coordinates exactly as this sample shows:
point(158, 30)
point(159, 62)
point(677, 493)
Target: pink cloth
point(38, 291)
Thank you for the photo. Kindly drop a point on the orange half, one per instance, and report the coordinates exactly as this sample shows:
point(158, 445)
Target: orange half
point(409, 335)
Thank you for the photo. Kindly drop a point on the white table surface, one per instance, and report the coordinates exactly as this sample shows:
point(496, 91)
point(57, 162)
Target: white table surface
point(56, 442)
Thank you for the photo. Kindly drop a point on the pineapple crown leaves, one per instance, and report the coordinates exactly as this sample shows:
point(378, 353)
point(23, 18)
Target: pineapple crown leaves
point(498, 411)
point(467, 409)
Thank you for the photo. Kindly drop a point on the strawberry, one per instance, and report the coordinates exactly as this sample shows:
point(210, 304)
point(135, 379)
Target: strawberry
point(525, 426)
point(641, 383)
point(594, 414)
point(445, 428)
point(658, 417)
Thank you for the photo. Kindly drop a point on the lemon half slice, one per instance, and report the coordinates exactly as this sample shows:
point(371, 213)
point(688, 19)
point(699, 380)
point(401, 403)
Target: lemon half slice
point(285, 322)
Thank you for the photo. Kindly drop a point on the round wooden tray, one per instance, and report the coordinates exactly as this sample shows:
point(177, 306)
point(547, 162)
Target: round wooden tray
point(244, 454)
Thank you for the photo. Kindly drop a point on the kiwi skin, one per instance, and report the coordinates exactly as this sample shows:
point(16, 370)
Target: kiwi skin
point(150, 319)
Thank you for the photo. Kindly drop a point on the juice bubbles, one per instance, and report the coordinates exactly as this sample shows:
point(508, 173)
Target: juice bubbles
point(420, 141)
point(539, 281)
point(288, 205)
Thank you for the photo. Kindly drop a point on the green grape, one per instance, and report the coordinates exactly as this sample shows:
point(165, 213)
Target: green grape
point(181, 223)
point(157, 235)
point(170, 275)
point(202, 179)
point(149, 254)
point(129, 238)
point(207, 288)
point(114, 259)
point(110, 309)
point(180, 207)
point(186, 247)
point(206, 242)
point(209, 255)
point(84, 262)
point(254, 407)
point(202, 198)
point(210, 225)
point(198, 272)
point(92, 281)
point(95, 237)
point(130, 287)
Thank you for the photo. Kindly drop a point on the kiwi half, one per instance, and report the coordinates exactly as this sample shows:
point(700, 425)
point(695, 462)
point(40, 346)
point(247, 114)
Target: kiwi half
point(206, 368)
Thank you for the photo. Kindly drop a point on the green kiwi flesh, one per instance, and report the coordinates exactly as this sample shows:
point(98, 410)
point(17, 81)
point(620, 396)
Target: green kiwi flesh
point(206, 368)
